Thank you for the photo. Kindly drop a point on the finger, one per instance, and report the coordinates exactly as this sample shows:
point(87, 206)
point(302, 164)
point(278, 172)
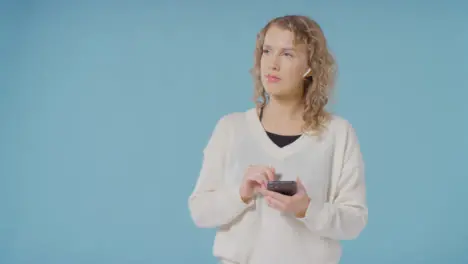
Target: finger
point(275, 195)
point(271, 173)
point(262, 179)
point(299, 183)
point(300, 186)
point(259, 180)
point(268, 170)
point(273, 203)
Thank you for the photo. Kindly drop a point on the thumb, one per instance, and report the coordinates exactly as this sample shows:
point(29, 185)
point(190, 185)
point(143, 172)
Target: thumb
point(300, 185)
point(271, 168)
point(273, 171)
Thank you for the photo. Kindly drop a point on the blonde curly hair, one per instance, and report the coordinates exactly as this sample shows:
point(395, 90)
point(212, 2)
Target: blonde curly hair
point(320, 82)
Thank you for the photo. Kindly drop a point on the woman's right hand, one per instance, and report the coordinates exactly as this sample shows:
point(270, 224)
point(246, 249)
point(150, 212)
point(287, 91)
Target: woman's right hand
point(256, 176)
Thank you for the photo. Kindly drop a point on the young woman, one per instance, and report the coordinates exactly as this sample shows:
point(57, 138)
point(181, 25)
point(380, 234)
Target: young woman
point(288, 136)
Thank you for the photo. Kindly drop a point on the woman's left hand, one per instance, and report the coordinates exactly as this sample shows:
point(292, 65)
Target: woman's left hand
point(296, 204)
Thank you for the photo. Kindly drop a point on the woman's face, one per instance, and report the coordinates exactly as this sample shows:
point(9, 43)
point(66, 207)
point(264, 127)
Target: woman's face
point(282, 64)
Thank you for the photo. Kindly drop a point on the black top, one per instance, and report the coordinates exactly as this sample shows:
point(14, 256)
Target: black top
point(279, 140)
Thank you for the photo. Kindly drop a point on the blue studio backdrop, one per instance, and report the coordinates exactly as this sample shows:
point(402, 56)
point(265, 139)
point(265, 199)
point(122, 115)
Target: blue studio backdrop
point(105, 107)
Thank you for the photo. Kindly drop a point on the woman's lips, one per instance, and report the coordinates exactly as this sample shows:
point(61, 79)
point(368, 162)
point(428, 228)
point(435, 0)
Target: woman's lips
point(272, 78)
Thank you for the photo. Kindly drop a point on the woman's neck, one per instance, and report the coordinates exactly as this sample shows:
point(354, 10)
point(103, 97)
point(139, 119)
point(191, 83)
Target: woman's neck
point(283, 117)
point(284, 109)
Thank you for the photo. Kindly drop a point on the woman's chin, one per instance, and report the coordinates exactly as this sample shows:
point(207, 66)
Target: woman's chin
point(273, 89)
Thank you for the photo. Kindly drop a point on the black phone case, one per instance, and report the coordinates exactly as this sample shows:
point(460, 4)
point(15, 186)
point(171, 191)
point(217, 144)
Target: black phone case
point(288, 188)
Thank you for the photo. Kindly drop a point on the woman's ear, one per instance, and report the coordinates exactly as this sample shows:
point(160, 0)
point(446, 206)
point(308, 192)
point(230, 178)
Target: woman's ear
point(307, 73)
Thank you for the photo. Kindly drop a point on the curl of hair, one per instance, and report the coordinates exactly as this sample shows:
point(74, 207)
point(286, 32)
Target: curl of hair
point(317, 87)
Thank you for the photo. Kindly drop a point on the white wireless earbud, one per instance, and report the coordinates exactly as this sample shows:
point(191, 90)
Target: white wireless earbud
point(307, 72)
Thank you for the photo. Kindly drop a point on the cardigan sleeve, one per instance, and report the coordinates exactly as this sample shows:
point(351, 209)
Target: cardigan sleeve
point(345, 215)
point(213, 203)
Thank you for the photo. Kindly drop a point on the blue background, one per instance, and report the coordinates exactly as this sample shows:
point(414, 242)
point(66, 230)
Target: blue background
point(106, 106)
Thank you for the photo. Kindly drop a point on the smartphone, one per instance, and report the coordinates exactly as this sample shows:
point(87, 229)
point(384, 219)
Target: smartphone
point(288, 188)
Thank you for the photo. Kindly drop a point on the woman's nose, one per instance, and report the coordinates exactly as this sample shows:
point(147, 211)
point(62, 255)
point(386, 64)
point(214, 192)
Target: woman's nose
point(274, 65)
